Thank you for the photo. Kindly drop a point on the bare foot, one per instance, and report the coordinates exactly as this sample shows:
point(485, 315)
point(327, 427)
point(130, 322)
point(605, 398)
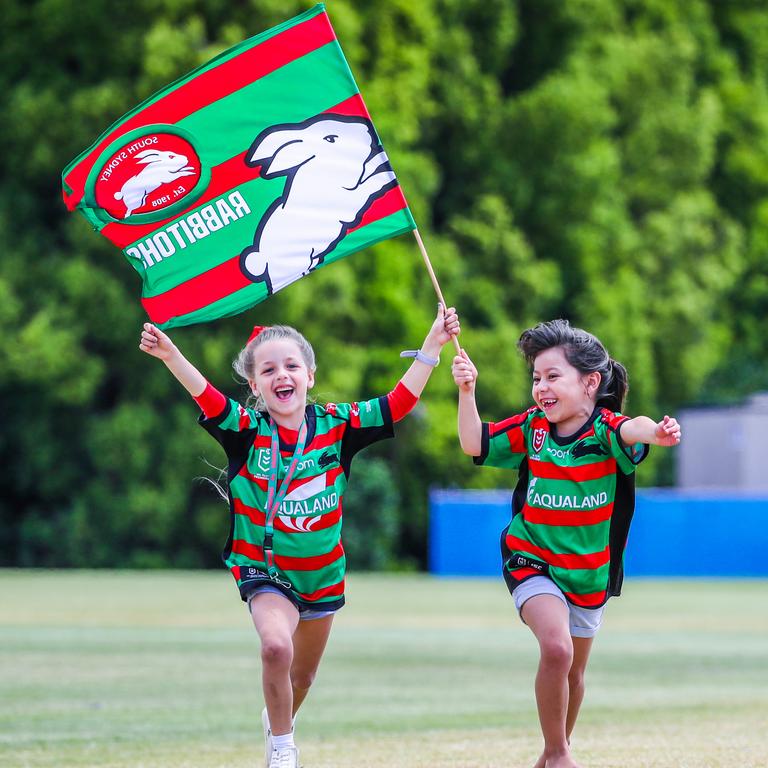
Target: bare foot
point(562, 761)
point(541, 762)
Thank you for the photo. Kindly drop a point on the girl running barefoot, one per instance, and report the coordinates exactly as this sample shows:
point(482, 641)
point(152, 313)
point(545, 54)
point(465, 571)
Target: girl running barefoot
point(562, 552)
point(288, 467)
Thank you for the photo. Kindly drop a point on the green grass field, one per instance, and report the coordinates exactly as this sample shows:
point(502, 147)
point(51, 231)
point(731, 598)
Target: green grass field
point(161, 669)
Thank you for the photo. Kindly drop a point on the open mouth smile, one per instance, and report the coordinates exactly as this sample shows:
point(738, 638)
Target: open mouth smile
point(284, 393)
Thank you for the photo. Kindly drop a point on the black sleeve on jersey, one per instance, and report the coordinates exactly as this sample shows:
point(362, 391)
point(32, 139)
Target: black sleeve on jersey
point(627, 449)
point(235, 444)
point(485, 442)
point(355, 439)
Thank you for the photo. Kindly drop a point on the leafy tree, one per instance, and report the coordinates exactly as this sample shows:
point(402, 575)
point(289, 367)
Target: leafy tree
point(602, 160)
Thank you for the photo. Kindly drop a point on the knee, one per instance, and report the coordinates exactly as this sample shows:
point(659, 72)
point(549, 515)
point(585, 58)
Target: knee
point(557, 653)
point(303, 678)
point(276, 652)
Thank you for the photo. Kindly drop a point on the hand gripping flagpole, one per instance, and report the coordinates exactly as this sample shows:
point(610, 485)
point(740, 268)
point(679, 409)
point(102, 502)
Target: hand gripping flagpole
point(435, 284)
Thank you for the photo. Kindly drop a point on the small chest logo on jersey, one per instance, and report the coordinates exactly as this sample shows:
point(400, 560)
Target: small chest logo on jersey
point(539, 436)
point(585, 448)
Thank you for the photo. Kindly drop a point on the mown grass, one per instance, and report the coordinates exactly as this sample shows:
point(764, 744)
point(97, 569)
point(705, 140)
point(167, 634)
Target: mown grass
point(161, 669)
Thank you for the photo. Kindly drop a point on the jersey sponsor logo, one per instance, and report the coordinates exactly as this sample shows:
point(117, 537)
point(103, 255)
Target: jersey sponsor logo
point(303, 515)
point(558, 453)
point(539, 436)
point(263, 461)
point(565, 501)
point(303, 507)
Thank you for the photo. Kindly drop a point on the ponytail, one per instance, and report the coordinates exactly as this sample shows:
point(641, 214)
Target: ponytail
point(613, 391)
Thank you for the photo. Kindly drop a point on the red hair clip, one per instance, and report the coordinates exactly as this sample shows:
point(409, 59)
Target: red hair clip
point(257, 329)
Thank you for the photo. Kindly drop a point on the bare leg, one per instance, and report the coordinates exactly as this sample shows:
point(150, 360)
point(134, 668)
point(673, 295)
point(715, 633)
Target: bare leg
point(309, 642)
point(547, 617)
point(276, 619)
point(581, 648)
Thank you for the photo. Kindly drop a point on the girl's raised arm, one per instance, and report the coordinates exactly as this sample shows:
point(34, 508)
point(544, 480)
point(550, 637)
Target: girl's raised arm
point(470, 424)
point(642, 429)
point(158, 344)
point(445, 327)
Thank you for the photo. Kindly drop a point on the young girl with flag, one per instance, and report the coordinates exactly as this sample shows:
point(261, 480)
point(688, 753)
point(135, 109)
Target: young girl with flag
point(563, 550)
point(288, 467)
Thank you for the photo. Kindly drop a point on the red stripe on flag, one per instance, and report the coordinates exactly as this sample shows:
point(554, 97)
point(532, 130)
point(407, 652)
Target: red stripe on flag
point(392, 201)
point(334, 590)
point(591, 600)
point(354, 106)
point(198, 292)
point(210, 86)
point(550, 471)
point(542, 516)
point(590, 560)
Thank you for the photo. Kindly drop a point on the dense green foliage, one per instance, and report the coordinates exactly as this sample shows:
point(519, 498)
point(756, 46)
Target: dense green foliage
point(603, 160)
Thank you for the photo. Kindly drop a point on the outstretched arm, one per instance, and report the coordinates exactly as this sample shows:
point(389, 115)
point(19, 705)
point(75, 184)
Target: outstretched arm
point(470, 424)
point(642, 429)
point(158, 344)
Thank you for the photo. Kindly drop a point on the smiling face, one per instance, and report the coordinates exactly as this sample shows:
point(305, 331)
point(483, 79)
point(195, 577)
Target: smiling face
point(566, 395)
point(281, 378)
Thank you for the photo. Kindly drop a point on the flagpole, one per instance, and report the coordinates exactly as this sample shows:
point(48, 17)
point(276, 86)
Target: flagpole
point(433, 278)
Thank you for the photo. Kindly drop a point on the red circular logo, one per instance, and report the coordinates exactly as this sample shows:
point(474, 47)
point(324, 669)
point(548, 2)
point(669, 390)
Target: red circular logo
point(146, 175)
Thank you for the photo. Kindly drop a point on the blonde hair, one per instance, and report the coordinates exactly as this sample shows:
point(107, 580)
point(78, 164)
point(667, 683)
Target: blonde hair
point(244, 363)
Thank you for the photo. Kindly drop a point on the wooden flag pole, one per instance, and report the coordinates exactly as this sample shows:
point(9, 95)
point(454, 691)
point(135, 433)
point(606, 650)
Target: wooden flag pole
point(433, 278)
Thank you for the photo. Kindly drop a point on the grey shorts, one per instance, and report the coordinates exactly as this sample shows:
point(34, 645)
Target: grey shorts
point(583, 622)
point(305, 614)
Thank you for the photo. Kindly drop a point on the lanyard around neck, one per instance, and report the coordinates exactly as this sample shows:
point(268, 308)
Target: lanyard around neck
point(276, 492)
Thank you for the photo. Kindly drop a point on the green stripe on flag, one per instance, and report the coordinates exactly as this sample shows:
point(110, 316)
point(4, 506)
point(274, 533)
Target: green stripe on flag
point(304, 88)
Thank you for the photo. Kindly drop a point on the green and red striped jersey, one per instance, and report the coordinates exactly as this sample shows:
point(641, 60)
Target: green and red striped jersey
point(308, 553)
point(573, 503)
point(253, 170)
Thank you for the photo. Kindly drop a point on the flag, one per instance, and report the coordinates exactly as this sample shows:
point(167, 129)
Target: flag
point(241, 177)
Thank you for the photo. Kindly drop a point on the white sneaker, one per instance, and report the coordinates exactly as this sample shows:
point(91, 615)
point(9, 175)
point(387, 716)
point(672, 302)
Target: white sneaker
point(267, 738)
point(285, 758)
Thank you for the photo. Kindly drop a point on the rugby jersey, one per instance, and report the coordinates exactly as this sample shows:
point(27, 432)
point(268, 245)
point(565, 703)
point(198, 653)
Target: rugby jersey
point(309, 561)
point(573, 503)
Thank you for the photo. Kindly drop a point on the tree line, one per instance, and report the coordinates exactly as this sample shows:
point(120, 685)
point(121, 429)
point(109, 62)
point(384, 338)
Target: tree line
point(600, 160)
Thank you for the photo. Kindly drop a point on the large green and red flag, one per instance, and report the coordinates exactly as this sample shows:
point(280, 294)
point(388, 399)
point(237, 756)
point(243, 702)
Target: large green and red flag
point(239, 178)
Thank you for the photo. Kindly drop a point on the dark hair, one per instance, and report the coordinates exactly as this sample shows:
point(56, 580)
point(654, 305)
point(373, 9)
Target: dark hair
point(584, 352)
